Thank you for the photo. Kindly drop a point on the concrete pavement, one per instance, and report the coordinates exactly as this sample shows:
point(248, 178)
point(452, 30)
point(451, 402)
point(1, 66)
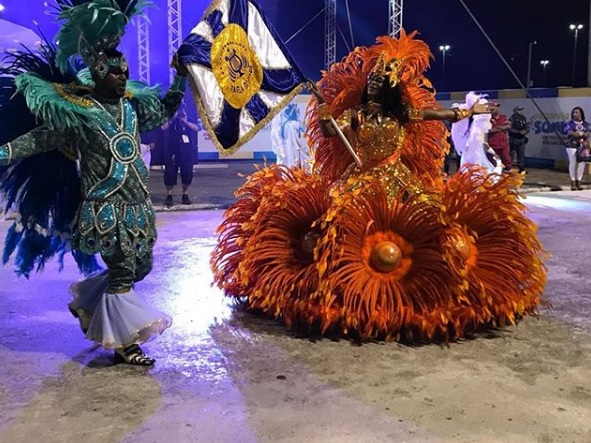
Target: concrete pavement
point(225, 376)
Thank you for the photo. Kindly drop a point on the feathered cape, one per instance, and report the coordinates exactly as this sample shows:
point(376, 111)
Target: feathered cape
point(43, 191)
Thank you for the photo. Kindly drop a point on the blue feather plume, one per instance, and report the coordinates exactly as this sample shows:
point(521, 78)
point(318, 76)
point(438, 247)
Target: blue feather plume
point(44, 189)
point(13, 237)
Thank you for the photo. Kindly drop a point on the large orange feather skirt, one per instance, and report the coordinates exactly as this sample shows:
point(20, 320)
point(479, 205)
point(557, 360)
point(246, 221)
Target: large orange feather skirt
point(308, 249)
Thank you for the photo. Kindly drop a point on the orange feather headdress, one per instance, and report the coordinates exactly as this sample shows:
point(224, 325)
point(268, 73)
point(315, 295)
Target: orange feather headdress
point(403, 60)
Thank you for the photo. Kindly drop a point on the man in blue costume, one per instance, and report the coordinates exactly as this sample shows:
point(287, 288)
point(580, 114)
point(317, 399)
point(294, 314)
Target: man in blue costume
point(98, 119)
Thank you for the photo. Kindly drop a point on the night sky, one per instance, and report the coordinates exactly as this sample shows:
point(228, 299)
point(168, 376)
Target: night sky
point(471, 63)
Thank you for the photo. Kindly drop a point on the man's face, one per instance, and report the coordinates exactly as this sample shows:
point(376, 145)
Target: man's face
point(494, 109)
point(114, 82)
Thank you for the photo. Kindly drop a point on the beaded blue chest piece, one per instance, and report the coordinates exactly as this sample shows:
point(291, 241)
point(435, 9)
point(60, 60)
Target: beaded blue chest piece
point(123, 144)
point(107, 225)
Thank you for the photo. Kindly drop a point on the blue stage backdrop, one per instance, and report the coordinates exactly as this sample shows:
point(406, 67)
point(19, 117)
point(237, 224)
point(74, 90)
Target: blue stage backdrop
point(472, 63)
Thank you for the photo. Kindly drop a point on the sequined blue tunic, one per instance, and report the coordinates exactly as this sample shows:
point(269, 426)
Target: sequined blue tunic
point(116, 213)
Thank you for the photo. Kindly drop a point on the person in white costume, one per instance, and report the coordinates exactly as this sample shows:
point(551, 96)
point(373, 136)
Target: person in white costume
point(469, 137)
point(286, 136)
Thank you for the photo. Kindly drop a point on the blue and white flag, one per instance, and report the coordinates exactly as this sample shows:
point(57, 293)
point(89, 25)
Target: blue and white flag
point(241, 73)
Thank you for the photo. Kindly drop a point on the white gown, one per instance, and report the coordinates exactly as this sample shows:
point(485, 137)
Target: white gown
point(469, 137)
point(288, 144)
point(146, 154)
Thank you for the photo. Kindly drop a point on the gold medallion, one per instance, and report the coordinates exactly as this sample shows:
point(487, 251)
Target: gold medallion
point(236, 66)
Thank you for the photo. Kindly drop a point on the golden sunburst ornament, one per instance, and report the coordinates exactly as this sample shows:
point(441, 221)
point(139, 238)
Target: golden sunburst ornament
point(237, 228)
point(385, 268)
point(279, 257)
point(493, 247)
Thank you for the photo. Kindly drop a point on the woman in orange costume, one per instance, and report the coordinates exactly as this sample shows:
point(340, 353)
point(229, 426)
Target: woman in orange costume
point(384, 249)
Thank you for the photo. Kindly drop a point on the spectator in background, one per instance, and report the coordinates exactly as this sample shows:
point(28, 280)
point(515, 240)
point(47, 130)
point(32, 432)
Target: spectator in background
point(497, 136)
point(577, 131)
point(154, 139)
point(180, 139)
point(287, 132)
point(517, 136)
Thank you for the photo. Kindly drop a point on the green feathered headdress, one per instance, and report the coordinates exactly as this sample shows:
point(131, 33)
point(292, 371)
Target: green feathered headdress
point(92, 27)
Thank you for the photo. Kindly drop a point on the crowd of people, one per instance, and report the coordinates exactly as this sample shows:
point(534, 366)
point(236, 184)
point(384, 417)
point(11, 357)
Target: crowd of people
point(493, 141)
point(500, 142)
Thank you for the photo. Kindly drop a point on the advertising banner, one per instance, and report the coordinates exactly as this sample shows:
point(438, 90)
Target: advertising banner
point(258, 147)
point(545, 140)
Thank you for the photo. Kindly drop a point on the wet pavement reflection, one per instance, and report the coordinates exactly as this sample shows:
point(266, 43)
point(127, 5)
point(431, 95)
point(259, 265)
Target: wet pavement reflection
point(226, 376)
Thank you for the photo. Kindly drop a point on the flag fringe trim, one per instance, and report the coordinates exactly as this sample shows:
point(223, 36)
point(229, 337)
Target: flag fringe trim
point(212, 7)
point(250, 134)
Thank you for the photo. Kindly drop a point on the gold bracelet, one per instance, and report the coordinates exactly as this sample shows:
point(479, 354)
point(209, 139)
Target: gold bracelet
point(461, 114)
point(324, 112)
point(416, 114)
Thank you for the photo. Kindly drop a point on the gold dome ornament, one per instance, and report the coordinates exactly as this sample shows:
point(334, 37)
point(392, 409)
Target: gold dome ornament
point(386, 256)
point(462, 245)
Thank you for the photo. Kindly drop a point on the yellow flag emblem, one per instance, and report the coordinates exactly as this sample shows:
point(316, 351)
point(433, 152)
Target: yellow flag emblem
point(235, 66)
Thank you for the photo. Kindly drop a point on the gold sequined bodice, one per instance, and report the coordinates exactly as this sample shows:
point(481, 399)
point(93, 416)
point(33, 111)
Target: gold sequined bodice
point(376, 142)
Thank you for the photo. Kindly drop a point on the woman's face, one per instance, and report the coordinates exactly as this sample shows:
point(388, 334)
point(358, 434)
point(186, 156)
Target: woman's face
point(577, 114)
point(375, 82)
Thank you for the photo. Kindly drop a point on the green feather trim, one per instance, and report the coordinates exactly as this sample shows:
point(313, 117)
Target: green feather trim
point(148, 96)
point(100, 23)
point(62, 106)
point(85, 77)
point(150, 107)
point(138, 90)
point(57, 112)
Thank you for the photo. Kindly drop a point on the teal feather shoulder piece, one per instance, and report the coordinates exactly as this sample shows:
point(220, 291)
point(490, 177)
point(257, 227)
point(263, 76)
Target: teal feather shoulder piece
point(147, 96)
point(67, 106)
point(59, 106)
point(135, 90)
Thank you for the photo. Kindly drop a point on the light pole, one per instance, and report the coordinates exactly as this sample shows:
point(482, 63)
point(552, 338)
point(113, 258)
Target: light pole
point(575, 27)
point(530, 51)
point(544, 64)
point(443, 49)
